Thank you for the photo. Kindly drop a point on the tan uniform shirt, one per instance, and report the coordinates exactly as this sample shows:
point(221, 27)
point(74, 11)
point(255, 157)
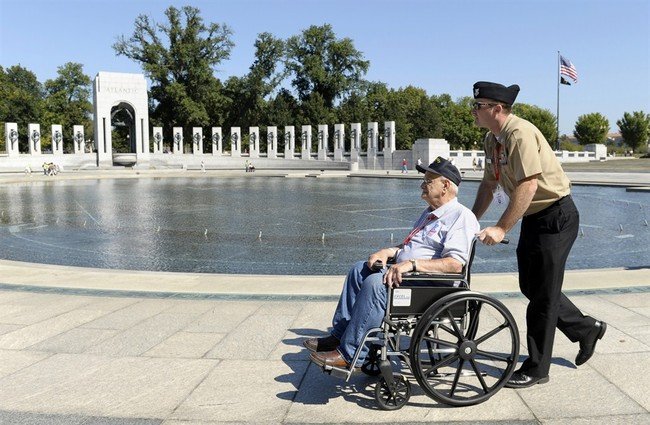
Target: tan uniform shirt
point(520, 152)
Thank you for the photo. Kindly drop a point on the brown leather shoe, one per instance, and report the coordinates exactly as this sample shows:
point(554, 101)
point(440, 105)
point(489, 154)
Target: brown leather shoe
point(316, 345)
point(329, 358)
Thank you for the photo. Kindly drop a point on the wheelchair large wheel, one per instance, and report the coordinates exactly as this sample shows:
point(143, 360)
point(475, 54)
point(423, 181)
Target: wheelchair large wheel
point(464, 348)
point(396, 399)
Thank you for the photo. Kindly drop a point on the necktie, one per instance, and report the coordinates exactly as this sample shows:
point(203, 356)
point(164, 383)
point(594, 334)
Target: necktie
point(417, 229)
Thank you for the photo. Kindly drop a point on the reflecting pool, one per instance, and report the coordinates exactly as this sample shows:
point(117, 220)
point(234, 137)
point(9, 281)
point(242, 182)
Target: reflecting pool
point(271, 225)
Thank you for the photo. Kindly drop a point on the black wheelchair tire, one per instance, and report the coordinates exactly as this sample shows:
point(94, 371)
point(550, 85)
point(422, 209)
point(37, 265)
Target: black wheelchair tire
point(418, 360)
point(386, 400)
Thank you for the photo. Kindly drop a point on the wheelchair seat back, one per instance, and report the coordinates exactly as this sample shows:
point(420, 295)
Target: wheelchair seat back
point(415, 300)
point(420, 290)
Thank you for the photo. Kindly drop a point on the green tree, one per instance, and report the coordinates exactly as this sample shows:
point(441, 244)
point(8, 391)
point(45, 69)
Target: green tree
point(21, 100)
point(280, 111)
point(541, 118)
point(457, 123)
point(248, 96)
point(591, 128)
point(67, 102)
point(321, 63)
point(179, 58)
point(635, 128)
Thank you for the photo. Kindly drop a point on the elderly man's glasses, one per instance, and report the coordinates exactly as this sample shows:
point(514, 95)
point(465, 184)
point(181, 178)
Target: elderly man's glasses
point(477, 105)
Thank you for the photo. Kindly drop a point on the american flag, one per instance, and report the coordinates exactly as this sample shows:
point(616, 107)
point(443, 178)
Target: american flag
point(567, 68)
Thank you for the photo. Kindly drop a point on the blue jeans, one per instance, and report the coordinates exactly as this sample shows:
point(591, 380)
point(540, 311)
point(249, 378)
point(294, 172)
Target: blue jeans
point(362, 306)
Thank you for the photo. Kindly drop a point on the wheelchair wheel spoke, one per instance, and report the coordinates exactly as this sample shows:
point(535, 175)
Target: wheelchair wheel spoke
point(492, 356)
point(479, 376)
point(457, 332)
point(456, 378)
point(440, 342)
point(473, 324)
point(491, 333)
point(442, 363)
point(448, 330)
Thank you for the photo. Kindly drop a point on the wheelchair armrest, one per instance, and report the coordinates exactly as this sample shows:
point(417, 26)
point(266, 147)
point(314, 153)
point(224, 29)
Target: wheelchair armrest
point(432, 276)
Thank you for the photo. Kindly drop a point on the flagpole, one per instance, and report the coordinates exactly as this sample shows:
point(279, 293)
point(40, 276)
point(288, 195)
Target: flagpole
point(557, 142)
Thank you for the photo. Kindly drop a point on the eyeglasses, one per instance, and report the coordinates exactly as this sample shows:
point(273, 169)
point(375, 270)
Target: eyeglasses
point(477, 105)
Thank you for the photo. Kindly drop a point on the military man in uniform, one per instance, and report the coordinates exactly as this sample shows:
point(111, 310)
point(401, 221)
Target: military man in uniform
point(522, 172)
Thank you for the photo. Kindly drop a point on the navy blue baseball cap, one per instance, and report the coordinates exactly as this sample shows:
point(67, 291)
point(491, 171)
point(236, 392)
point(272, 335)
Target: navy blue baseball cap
point(444, 168)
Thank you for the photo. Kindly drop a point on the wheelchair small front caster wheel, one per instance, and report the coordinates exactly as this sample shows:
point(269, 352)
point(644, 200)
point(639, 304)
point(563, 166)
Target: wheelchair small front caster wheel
point(371, 366)
point(396, 399)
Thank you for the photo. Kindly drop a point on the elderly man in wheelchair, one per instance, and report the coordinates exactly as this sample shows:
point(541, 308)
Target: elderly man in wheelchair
point(418, 293)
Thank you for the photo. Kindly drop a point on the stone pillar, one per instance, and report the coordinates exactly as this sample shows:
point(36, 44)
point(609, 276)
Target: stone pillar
point(79, 140)
point(254, 142)
point(305, 139)
point(323, 140)
point(178, 140)
point(389, 143)
point(197, 140)
point(372, 144)
point(429, 149)
point(57, 139)
point(339, 141)
point(389, 137)
point(235, 142)
point(11, 139)
point(600, 150)
point(355, 141)
point(158, 140)
point(34, 136)
point(216, 141)
point(289, 141)
point(272, 142)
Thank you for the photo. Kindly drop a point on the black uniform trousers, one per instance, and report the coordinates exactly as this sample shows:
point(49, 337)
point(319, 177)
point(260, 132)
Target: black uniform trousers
point(544, 244)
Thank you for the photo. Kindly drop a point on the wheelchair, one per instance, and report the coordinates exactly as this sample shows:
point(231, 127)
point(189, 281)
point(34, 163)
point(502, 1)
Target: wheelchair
point(461, 346)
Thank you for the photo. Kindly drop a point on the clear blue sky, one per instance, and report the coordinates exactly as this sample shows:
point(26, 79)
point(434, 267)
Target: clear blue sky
point(441, 46)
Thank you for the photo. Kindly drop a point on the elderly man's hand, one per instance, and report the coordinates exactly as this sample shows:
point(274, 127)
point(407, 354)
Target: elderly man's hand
point(492, 235)
point(393, 277)
point(381, 255)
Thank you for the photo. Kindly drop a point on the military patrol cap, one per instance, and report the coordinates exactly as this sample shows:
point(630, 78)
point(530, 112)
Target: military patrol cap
point(496, 91)
point(444, 168)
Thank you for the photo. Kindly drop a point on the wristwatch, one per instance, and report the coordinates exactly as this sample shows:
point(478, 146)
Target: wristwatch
point(413, 269)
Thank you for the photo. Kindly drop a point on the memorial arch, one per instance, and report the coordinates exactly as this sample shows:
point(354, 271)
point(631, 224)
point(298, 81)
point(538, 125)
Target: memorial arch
point(124, 95)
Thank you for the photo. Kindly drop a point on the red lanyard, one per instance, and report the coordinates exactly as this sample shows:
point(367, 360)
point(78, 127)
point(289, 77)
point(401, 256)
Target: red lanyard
point(415, 231)
point(497, 152)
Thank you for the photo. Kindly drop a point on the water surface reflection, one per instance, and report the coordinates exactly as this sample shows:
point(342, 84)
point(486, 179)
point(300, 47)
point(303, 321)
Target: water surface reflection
point(161, 224)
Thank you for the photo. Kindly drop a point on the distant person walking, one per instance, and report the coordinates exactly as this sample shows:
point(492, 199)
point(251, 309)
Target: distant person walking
point(405, 166)
point(522, 171)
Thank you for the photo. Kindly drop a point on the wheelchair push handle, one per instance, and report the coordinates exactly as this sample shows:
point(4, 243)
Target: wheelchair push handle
point(504, 241)
point(377, 265)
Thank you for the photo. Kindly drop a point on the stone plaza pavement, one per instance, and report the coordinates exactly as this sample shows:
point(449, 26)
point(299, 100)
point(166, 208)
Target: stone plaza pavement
point(89, 346)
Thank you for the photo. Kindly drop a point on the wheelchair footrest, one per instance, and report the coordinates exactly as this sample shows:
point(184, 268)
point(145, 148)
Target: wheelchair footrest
point(338, 372)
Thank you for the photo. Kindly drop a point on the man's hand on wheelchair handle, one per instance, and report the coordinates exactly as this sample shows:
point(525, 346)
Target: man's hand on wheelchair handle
point(393, 277)
point(382, 256)
point(491, 235)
